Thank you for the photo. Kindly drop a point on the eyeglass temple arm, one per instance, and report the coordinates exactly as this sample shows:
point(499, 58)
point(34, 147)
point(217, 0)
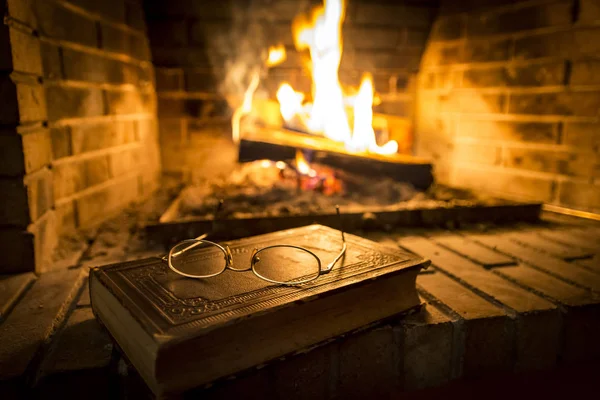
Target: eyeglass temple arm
point(201, 237)
point(191, 246)
point(330, 266)
point(341, 254)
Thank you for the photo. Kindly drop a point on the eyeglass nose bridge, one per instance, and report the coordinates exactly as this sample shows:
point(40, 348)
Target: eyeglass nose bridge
point(229, 261)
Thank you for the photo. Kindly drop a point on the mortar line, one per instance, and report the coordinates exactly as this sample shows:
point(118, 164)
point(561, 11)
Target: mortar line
point(97, 188)
point(98, 17)
point(458, 332)
point(20, 296)
point(516, 35)
point(19, 25)
point(433, 239)
point(523, 145)
point(498, 271)
point(33, 371)
point(503, 8)
point(100, 118)
point(96, 51)
point(561, 306)
point(22, 128)
point(509, 311)
point(548, 176)
point(27, 78)
point(508, 63)
point(183, 94)
point(121, 87)
point(505, 90)
point(527, 264)
point(27, 178)
point(520, 117)
point(96, 153)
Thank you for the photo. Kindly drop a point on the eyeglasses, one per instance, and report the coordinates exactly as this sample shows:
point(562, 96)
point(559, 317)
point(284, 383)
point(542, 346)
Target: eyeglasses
point(281, 263)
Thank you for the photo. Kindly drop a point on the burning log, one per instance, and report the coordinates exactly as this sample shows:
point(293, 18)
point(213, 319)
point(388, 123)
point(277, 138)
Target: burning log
point(339, 124)
point(259, 143)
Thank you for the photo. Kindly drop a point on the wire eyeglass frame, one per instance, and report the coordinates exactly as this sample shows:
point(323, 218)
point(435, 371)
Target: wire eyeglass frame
point(254, 258)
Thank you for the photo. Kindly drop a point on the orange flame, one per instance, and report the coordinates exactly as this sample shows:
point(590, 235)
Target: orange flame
point(302, 165)
point(245, 108)
point(321, 178)
point(320, 33)
point(363, 137)
point(290, 101)
point(276, 56)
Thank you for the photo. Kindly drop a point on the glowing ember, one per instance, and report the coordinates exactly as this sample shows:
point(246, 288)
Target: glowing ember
point(327, 114)
point(318, 178)
point(269, 164)
point(266, 163)
point(307, 178)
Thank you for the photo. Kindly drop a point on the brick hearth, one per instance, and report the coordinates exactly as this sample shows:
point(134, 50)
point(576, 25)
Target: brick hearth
point(497, 301)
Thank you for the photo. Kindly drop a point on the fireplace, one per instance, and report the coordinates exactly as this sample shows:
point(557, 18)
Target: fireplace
point(499, 98)
point(478, 91)
point(475, 111)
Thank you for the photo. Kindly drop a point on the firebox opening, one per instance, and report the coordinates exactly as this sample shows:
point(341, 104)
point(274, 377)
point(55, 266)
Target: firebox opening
point(309, 147)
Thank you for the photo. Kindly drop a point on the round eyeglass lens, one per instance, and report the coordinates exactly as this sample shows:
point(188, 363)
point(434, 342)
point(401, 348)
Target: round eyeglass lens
point(286, 265)
point(197, 259)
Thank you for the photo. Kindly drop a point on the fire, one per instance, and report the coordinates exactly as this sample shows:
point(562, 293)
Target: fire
point(302, 165)
point(320, 33)
point(321, 36)
point(318, 178)
point(245, 108)
point(276, 56)
point(363, 138)
point(290, 101)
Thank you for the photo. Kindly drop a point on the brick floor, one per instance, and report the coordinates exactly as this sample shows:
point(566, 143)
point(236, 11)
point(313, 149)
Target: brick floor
point(11, 288)
point(536, 320)
point(34, 321)
point(497, 301)
point(473, 251)
point(426, 344)
point(484, 334)
point(570, 272)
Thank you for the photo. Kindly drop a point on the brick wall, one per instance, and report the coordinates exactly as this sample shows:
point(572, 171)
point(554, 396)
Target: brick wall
point(194, 44)
point(78, 122)
point(509, 99)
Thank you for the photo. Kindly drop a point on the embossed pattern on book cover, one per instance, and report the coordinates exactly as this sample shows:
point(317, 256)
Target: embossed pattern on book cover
point(173, 304)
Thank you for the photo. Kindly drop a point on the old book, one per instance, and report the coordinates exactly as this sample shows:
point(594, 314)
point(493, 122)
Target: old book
point(181, 333)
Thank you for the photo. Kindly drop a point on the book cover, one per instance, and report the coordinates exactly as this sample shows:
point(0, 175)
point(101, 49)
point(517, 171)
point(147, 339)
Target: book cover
point(172, 309)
